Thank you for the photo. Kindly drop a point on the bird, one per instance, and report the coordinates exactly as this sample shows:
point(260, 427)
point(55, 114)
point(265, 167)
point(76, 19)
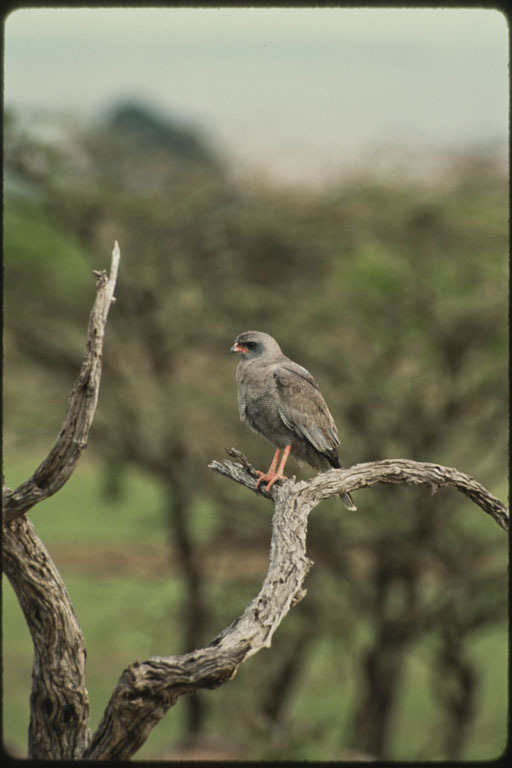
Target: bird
point(281, 400)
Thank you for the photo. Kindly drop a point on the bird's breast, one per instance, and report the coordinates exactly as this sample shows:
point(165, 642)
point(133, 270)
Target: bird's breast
point(258, 404)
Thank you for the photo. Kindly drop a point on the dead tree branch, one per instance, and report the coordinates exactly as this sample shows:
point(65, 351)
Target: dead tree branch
point(146, 690)
point(388, 471)
point(71, 441)
point(59, 711)
point(59, 702)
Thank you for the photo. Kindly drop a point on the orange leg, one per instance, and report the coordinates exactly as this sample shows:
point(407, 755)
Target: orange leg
point(270, 473)
point(272, 476)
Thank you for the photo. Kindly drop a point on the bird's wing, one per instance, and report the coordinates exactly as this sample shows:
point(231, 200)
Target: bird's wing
point(302, 407)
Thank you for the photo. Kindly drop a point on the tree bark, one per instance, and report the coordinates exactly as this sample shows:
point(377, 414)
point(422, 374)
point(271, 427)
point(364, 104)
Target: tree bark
point(71, 441)
point(393, 471)
point(146, 690)
point(59, 702)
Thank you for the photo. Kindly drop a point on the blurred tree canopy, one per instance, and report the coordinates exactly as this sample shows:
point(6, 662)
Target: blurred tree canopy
point(391, 291)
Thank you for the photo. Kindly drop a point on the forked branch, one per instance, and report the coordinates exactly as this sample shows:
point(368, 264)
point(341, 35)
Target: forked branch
point(146, 690)
point(71, 441)
point(59, 711)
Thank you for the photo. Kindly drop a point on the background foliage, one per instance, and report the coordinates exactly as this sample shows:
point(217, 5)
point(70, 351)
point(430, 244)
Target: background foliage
point(393, 292)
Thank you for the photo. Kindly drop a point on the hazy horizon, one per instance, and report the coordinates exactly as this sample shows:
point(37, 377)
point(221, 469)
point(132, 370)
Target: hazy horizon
point(292, 92)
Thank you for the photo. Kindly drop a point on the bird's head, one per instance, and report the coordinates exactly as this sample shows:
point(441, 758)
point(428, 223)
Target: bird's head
point(252, 344)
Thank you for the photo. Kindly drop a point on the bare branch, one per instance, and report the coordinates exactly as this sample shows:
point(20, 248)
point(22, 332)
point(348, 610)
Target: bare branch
point(146, 690)
point(395, 471)
point(59, 711)
point(71, 441)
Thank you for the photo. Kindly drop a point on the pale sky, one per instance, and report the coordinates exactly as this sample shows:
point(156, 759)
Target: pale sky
point(296, 92)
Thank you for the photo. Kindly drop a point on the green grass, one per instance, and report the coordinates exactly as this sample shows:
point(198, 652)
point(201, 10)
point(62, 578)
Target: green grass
point(82, 512)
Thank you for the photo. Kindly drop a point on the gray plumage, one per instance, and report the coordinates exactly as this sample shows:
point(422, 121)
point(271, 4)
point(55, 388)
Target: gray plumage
point(281, 400)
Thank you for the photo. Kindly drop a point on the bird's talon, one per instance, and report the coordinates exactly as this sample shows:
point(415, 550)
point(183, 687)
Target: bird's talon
point(274, 480)
point(264, 476)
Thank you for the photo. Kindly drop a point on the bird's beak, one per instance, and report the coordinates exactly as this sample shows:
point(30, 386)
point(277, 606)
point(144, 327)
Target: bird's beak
point(238, 348)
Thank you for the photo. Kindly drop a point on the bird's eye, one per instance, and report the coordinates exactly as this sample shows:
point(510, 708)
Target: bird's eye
point(250, 344)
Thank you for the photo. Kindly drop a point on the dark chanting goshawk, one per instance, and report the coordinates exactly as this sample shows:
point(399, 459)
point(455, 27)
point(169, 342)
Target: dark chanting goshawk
point(282, 401)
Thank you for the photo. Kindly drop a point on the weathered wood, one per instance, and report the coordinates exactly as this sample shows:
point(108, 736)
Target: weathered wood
point(146, 690)
point(59, 703)
point(71, 441)
point(394, 471)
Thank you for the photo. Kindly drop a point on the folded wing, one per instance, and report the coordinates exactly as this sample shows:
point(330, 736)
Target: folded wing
point(303, 409)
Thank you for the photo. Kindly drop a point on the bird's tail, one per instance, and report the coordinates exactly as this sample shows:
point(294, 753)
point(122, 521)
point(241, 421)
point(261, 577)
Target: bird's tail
point(348, 502)
point(332, 458)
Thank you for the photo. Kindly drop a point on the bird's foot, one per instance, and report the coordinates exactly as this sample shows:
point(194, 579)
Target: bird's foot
point(271, 477)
